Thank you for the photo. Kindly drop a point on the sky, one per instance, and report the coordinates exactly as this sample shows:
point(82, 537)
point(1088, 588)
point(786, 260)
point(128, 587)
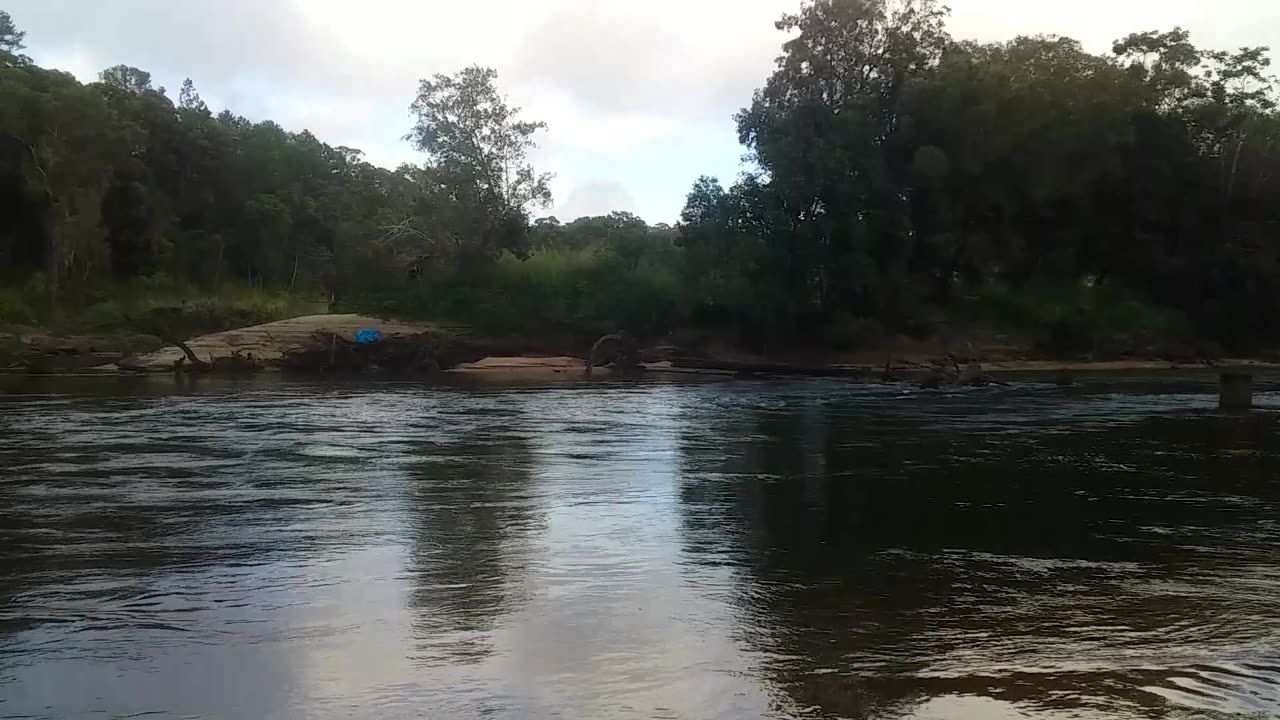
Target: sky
point(639, 97)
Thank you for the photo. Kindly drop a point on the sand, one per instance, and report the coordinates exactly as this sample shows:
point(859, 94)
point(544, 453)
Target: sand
point(271, 341)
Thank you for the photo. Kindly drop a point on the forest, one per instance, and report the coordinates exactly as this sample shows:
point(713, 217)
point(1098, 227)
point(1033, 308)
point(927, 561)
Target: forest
point(899, 181)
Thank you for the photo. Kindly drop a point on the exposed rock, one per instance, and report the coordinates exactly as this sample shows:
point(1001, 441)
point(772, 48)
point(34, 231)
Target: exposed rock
point(971, 375)
point(269, 343)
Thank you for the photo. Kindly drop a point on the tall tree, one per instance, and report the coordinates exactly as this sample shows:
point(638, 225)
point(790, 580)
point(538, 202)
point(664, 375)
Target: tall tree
point(11, 38)
point(128, 78)
point(478, 145)
point(825, 131)
point(189, 99)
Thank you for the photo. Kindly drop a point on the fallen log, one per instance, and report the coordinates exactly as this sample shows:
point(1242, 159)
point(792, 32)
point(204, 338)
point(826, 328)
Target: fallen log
point(626, 358)
point(773, 368)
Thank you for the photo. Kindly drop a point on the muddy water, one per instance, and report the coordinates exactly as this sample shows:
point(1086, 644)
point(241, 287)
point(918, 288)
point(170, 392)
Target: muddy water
point(715, 550)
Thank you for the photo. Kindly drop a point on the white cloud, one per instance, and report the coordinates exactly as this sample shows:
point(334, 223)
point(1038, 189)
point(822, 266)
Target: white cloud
point(596, 198)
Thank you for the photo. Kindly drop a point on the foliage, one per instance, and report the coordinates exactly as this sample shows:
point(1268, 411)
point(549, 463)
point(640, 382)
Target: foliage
point(899, 178)
point(11, 39)
point(1080, 318)
point(104, 183)
point(14, 308)
point(479, 150)
point(897, 169)
point(585, 279)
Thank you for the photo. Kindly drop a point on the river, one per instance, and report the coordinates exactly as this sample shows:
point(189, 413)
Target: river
point(701, 550)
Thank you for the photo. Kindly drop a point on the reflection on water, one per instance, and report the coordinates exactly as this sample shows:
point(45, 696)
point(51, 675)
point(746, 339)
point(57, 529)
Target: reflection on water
point(716, 550)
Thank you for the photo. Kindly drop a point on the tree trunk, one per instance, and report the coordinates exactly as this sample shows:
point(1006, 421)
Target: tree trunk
point(52, 262)
point(217, 268)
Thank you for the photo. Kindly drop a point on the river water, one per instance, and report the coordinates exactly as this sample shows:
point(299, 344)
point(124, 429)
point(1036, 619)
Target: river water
point(735, 549)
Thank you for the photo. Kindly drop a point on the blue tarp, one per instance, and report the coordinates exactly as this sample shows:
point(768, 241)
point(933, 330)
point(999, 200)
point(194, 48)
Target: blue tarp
point(368, 336)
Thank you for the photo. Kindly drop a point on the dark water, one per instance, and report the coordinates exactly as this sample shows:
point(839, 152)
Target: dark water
point(719, 550)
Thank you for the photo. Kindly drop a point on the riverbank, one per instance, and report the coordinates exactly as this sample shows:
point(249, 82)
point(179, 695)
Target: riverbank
point(271, 346)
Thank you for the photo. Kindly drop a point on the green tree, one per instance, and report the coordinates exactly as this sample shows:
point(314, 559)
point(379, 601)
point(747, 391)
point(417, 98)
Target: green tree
point(11, 38)
point(70, 143)
point(826, 132)
point(190, 100)
point(478, 147)
point(127, 78)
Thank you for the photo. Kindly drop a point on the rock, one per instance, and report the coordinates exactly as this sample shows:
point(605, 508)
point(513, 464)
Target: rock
point(1064, 379)
point(971, 375)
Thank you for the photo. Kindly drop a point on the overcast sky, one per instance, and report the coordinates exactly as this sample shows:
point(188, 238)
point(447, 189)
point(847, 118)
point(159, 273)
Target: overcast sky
point(639, 96)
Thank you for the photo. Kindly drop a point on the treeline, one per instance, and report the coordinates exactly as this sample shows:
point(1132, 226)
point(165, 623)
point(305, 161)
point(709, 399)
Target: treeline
point(901, 180)
point(900, 170)
point(112, 188)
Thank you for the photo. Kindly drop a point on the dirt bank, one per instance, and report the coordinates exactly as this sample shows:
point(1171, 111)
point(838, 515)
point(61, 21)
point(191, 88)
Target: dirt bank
point(270, 342)
point(29, 349)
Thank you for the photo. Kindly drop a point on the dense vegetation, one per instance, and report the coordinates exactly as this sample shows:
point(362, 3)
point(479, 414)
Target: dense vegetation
point(899, 179)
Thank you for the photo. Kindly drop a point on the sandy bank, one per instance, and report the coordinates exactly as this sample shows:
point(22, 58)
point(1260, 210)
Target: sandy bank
point(271, 341)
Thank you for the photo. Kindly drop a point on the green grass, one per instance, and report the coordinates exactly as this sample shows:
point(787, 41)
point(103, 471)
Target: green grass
point(183, 309)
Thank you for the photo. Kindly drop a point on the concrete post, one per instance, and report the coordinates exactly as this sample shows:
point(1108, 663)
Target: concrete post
point(1235, 391)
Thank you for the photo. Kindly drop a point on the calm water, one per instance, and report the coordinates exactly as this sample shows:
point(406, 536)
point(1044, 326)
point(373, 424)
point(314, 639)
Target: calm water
point(716, 550)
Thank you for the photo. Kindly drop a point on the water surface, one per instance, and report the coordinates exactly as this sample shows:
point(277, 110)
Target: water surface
point(713, 550)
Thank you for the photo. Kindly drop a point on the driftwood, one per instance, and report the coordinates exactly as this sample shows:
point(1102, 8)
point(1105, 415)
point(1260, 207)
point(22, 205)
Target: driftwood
point(236, 363)
point(627, 359)
point(946, 374)
point(190, 362)
point(970, 375)
point(771, 368)
point(593, 358)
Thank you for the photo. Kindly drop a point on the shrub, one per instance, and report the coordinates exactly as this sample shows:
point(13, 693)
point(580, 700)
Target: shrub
point(102, 316)
point(1081, 317)
point(583, 291)
point(843, 331)
point(14, 308)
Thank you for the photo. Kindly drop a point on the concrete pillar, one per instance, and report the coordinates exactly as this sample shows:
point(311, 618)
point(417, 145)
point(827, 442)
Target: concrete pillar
point(1235, 391)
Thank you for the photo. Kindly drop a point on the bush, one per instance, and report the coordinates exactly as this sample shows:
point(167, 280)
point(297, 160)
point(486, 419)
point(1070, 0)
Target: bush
point(580, 292)
point(102, 316)
point(1082, 317)
point(843, 331)
point(14, 308)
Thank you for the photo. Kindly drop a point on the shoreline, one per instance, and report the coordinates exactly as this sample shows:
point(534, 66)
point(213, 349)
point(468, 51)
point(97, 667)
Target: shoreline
point(37, 352)
point(563, 368)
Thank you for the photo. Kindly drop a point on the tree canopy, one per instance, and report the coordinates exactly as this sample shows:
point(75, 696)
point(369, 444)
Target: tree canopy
point(896, 168)
point(110, 182)
point(897, 178)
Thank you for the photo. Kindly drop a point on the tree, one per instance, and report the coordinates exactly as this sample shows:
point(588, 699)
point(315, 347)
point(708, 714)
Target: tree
point(825, 130)
point(190, 100)
point(127, 78)
point(898, 178)
point(11, 38)
point(478, 147)
point(70, 142)
point(1166, 62)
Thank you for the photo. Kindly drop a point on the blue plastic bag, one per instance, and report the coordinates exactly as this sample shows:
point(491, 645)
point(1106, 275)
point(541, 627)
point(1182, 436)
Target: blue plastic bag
point(363, 337)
